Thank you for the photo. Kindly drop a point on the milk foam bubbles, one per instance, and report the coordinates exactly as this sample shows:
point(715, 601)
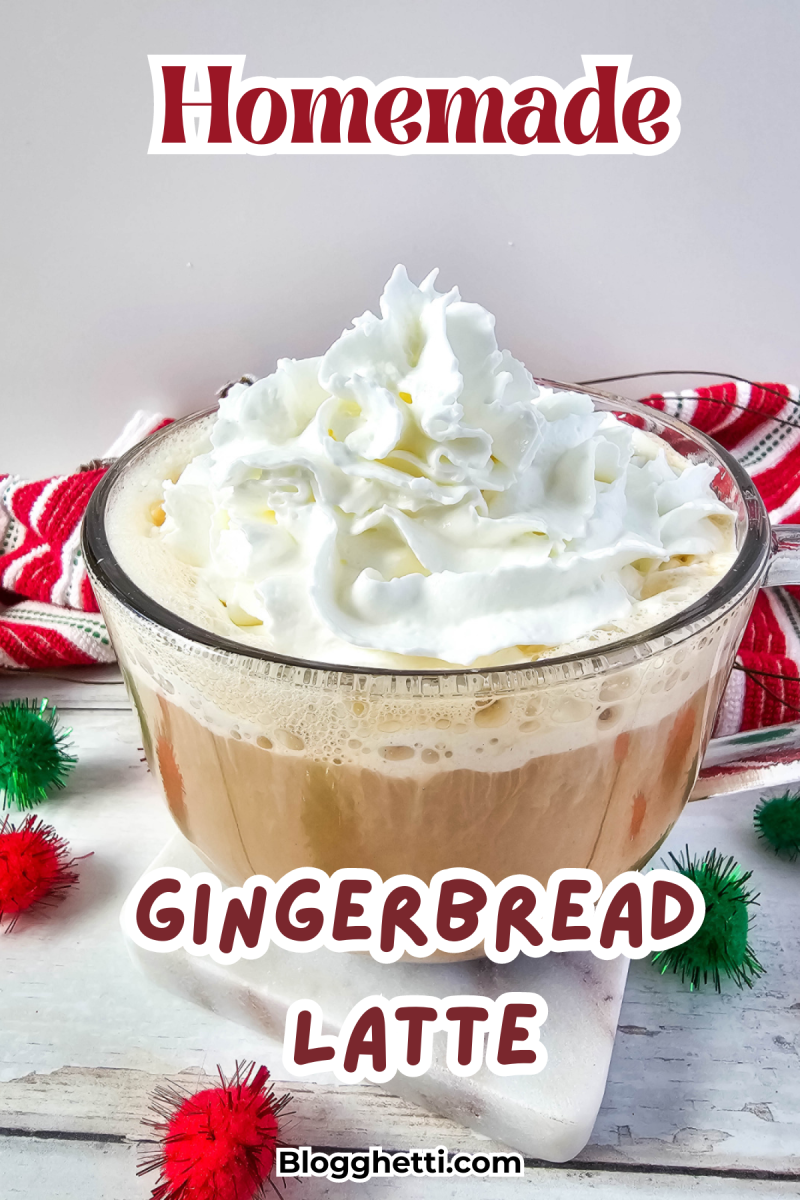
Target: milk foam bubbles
point(414, 498)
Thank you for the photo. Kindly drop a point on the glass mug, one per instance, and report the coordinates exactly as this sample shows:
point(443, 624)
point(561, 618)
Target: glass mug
point(270, 763)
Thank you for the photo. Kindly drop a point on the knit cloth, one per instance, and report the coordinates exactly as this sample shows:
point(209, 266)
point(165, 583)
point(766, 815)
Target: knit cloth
point(760, 426)
point(49, 616)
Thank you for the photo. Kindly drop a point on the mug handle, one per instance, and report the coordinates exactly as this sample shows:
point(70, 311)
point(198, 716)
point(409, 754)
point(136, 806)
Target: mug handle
point(759, 757)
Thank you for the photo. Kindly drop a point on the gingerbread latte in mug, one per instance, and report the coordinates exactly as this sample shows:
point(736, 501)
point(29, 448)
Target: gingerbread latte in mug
point(403, 607)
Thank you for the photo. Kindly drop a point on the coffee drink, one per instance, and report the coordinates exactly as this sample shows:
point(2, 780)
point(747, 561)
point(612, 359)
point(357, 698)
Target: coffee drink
point(418, 609)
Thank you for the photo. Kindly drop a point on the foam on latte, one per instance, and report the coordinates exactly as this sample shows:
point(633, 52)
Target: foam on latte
point(413, 499)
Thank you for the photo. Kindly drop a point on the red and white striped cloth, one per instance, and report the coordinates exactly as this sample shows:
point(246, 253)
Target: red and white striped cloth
point(761, 428)
point(48, 613)
point(49, 617)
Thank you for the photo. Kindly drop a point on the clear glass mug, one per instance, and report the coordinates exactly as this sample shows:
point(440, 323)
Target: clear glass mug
point(270, 763)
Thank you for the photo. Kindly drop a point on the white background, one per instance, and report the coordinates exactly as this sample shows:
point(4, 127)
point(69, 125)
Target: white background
point(130, 281)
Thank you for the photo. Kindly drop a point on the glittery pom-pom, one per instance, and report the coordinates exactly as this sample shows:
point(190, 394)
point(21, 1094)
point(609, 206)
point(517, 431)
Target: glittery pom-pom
point(35, 867)
point(218, 1144)
point(721, 946)
point(34, 754)
point(777, 820)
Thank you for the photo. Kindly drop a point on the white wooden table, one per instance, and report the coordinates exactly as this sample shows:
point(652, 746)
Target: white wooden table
point(703, 1094)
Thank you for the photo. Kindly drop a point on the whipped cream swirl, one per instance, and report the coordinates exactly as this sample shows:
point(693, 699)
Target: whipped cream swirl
point(414, 492)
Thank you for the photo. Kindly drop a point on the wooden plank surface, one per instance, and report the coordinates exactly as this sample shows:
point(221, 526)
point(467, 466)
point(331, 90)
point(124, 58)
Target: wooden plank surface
point(74, 687)
point(85, 1170)
point(698, 1083)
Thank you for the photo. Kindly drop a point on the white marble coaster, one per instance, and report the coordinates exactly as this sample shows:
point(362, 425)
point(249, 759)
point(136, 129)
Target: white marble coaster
point(548, 1116)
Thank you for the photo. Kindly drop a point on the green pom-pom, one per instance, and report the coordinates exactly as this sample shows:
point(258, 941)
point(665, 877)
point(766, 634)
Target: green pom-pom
point(34, 753)
point(777, 820)
point(721, 946)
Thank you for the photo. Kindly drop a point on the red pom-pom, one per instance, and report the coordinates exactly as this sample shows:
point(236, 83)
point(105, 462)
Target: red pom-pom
point(218, 1144)
point(35, 867)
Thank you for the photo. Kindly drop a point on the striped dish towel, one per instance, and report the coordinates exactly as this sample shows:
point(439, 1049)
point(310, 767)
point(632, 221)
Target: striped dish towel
point(760, 426)
point(49, 617)
point(48, 614)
